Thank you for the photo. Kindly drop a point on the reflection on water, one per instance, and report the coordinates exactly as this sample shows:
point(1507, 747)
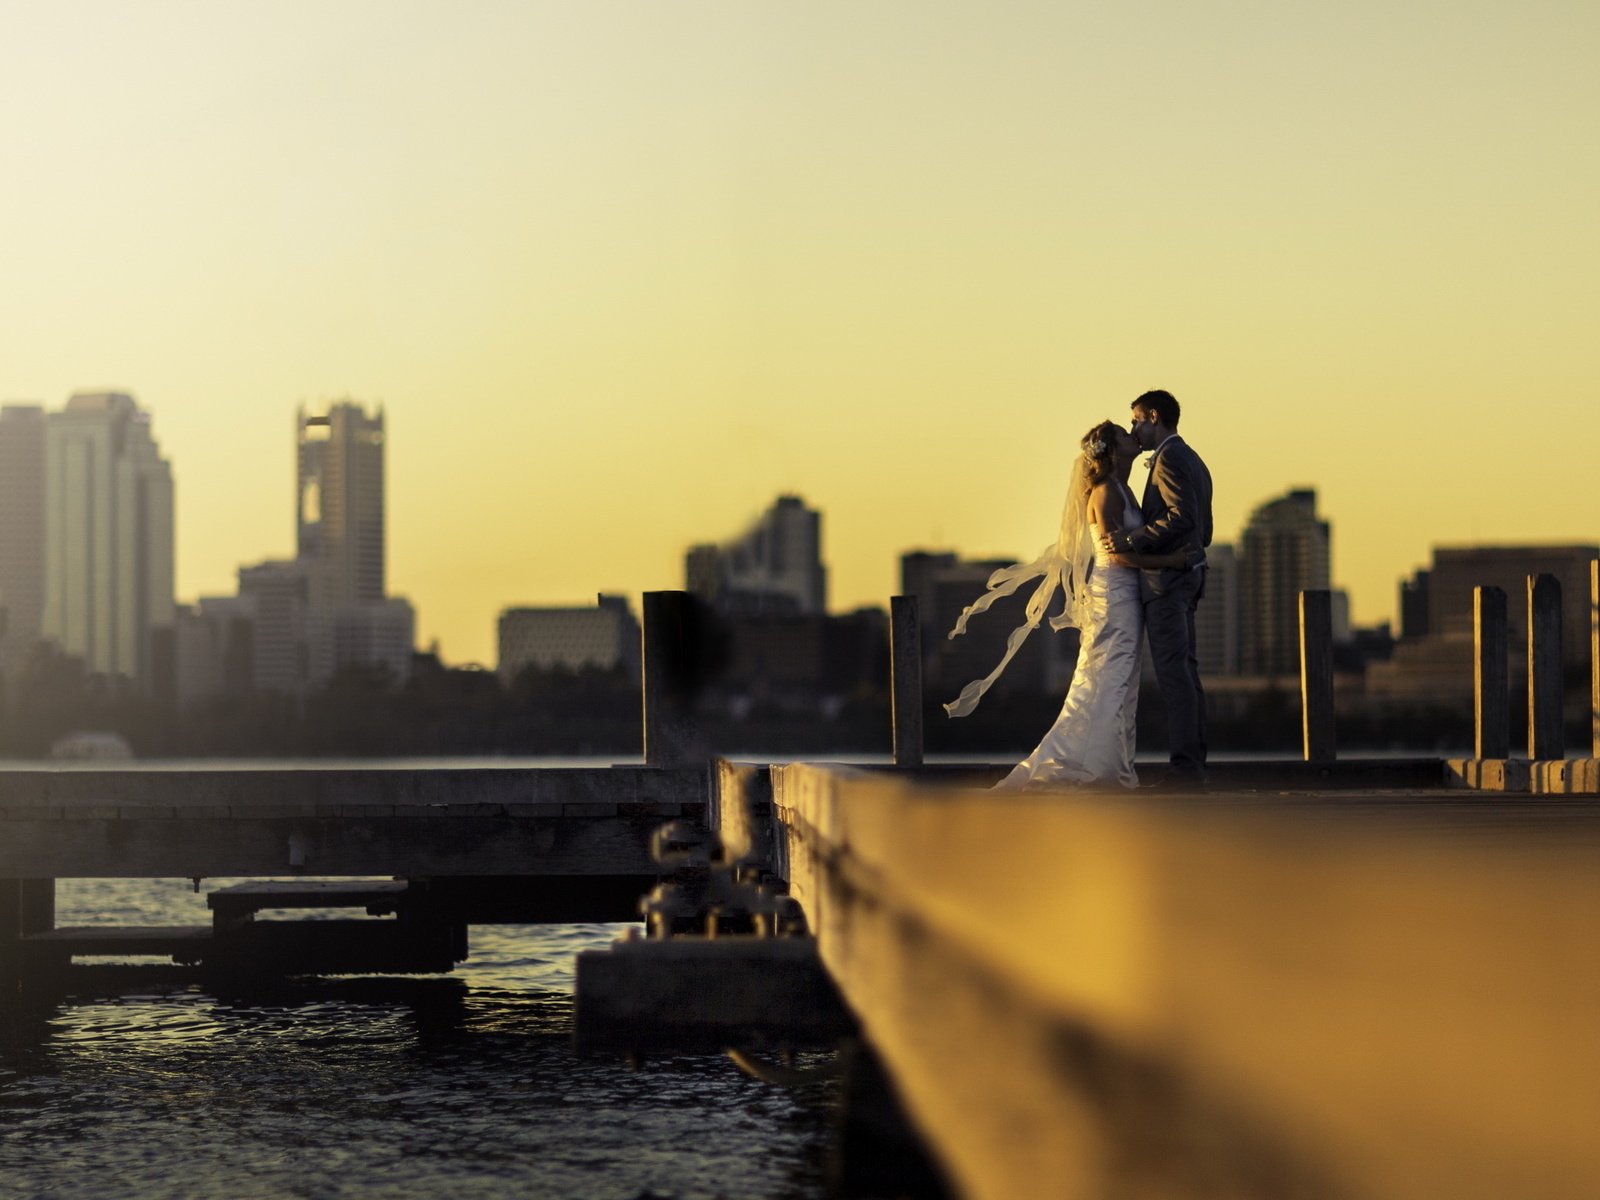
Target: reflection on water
point(459, 1086)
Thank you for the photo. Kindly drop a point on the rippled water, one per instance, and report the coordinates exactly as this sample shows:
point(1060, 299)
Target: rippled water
point(452, 1086)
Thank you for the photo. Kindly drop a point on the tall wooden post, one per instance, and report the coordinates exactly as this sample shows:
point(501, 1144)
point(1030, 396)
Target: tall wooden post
point(1594, 657)
point(671, 637)
point(1316, 675)
point(1544, 668)
point(1491, 686)
point(905, 680)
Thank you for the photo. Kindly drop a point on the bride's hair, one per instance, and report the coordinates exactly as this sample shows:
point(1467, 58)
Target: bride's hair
point(1098, 445)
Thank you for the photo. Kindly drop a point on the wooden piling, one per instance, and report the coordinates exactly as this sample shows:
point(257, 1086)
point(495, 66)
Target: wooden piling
point(670, 671)
point(1491, 688)
point(1316, 675)
point(905, 680)
point(1594, 658)
point(1545, 740)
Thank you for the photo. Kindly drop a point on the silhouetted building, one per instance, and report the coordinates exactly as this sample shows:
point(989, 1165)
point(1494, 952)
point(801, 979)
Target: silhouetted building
point(1285, 549)
point(108, 535)
point(1414, 606)
point(1435, 667)
point(1218, 631)
point(215, 649)
point(919, 575)
point(279, 594)
point(944, 585)
point(605, 637)
point(1456, 570)
point(340, 504)
point(800, 662)
point(774, 567)
point(379, 635)
point(345, 617)
point(22, 557)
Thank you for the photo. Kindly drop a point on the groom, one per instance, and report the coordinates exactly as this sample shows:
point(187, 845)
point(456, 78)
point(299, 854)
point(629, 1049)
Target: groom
point(1177, 515)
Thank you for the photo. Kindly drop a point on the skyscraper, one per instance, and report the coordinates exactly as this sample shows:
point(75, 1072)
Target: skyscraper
point(1285, 549)
point(774, 567)
point(21, 532)
point(350, 621)
point(339, 503)
point(108, 535)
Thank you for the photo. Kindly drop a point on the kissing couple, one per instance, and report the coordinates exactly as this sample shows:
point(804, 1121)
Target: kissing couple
point(1128, 569)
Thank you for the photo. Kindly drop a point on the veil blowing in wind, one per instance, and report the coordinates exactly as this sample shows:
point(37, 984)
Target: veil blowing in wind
point(1066, 567)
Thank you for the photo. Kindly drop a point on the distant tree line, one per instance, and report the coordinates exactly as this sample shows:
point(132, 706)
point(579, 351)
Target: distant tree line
point(441, 711)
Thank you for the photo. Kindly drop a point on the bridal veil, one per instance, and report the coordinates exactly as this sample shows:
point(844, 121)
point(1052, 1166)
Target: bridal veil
point(1064, 567)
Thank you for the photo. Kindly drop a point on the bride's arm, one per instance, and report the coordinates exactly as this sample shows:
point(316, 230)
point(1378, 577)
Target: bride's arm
point(1105, 509)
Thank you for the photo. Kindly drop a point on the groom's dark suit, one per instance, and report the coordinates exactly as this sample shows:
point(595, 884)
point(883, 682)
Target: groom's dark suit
point(1177, 515)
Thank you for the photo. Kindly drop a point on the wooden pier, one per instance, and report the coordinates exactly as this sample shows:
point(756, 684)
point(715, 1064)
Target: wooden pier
point(469, 846)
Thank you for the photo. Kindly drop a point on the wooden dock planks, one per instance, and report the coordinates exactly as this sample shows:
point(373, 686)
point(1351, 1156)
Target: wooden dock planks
point(261, 822)
point(1366, 995)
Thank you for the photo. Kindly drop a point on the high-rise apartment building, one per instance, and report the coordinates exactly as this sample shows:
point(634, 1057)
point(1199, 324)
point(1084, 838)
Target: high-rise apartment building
point(1285, 549)
point(108, 535)
point(22, 441)
point(774, 567)
point(340, 503)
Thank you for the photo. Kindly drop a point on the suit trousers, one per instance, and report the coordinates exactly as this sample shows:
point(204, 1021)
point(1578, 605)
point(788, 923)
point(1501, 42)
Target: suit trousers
point(1169, 627)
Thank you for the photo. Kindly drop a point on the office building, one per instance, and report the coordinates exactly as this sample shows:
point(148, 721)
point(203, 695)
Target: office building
point(1285, 549)
point(340, 504)
point(1457, 570)
point(279, 595)
point(22, 569)
point(773, 567)
point(108, 536)
point(603, 637)
point(375, 636)
point(215, 650)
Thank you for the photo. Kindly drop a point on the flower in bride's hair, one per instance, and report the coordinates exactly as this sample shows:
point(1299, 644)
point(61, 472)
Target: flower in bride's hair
point(1096, 448)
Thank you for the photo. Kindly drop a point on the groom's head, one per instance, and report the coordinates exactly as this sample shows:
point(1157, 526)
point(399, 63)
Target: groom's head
point(1155, 418)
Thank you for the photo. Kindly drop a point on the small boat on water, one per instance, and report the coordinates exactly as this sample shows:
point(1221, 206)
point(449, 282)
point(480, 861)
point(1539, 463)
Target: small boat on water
point(91, 745)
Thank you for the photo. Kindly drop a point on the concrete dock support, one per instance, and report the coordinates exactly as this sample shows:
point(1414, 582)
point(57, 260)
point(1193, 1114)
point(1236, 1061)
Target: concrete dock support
point(1491, 688)
point(26, 906)
point(1545, 735)
point(905, 680)
point(1316, 675)
point(670, 654)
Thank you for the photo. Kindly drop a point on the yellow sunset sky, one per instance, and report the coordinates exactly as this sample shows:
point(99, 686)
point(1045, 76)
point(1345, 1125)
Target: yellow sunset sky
point(621, 272)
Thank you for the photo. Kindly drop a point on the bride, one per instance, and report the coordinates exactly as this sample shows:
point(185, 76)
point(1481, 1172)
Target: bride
point(1092, 740)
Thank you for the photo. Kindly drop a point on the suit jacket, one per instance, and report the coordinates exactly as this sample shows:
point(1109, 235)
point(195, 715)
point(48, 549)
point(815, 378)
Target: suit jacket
point(1176, 508)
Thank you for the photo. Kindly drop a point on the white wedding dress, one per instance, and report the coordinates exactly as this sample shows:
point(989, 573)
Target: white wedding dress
point(1092, 741)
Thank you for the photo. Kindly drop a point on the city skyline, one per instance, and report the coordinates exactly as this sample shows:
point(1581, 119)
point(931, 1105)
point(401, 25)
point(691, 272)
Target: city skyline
point(339, 502)
point(619, 275)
